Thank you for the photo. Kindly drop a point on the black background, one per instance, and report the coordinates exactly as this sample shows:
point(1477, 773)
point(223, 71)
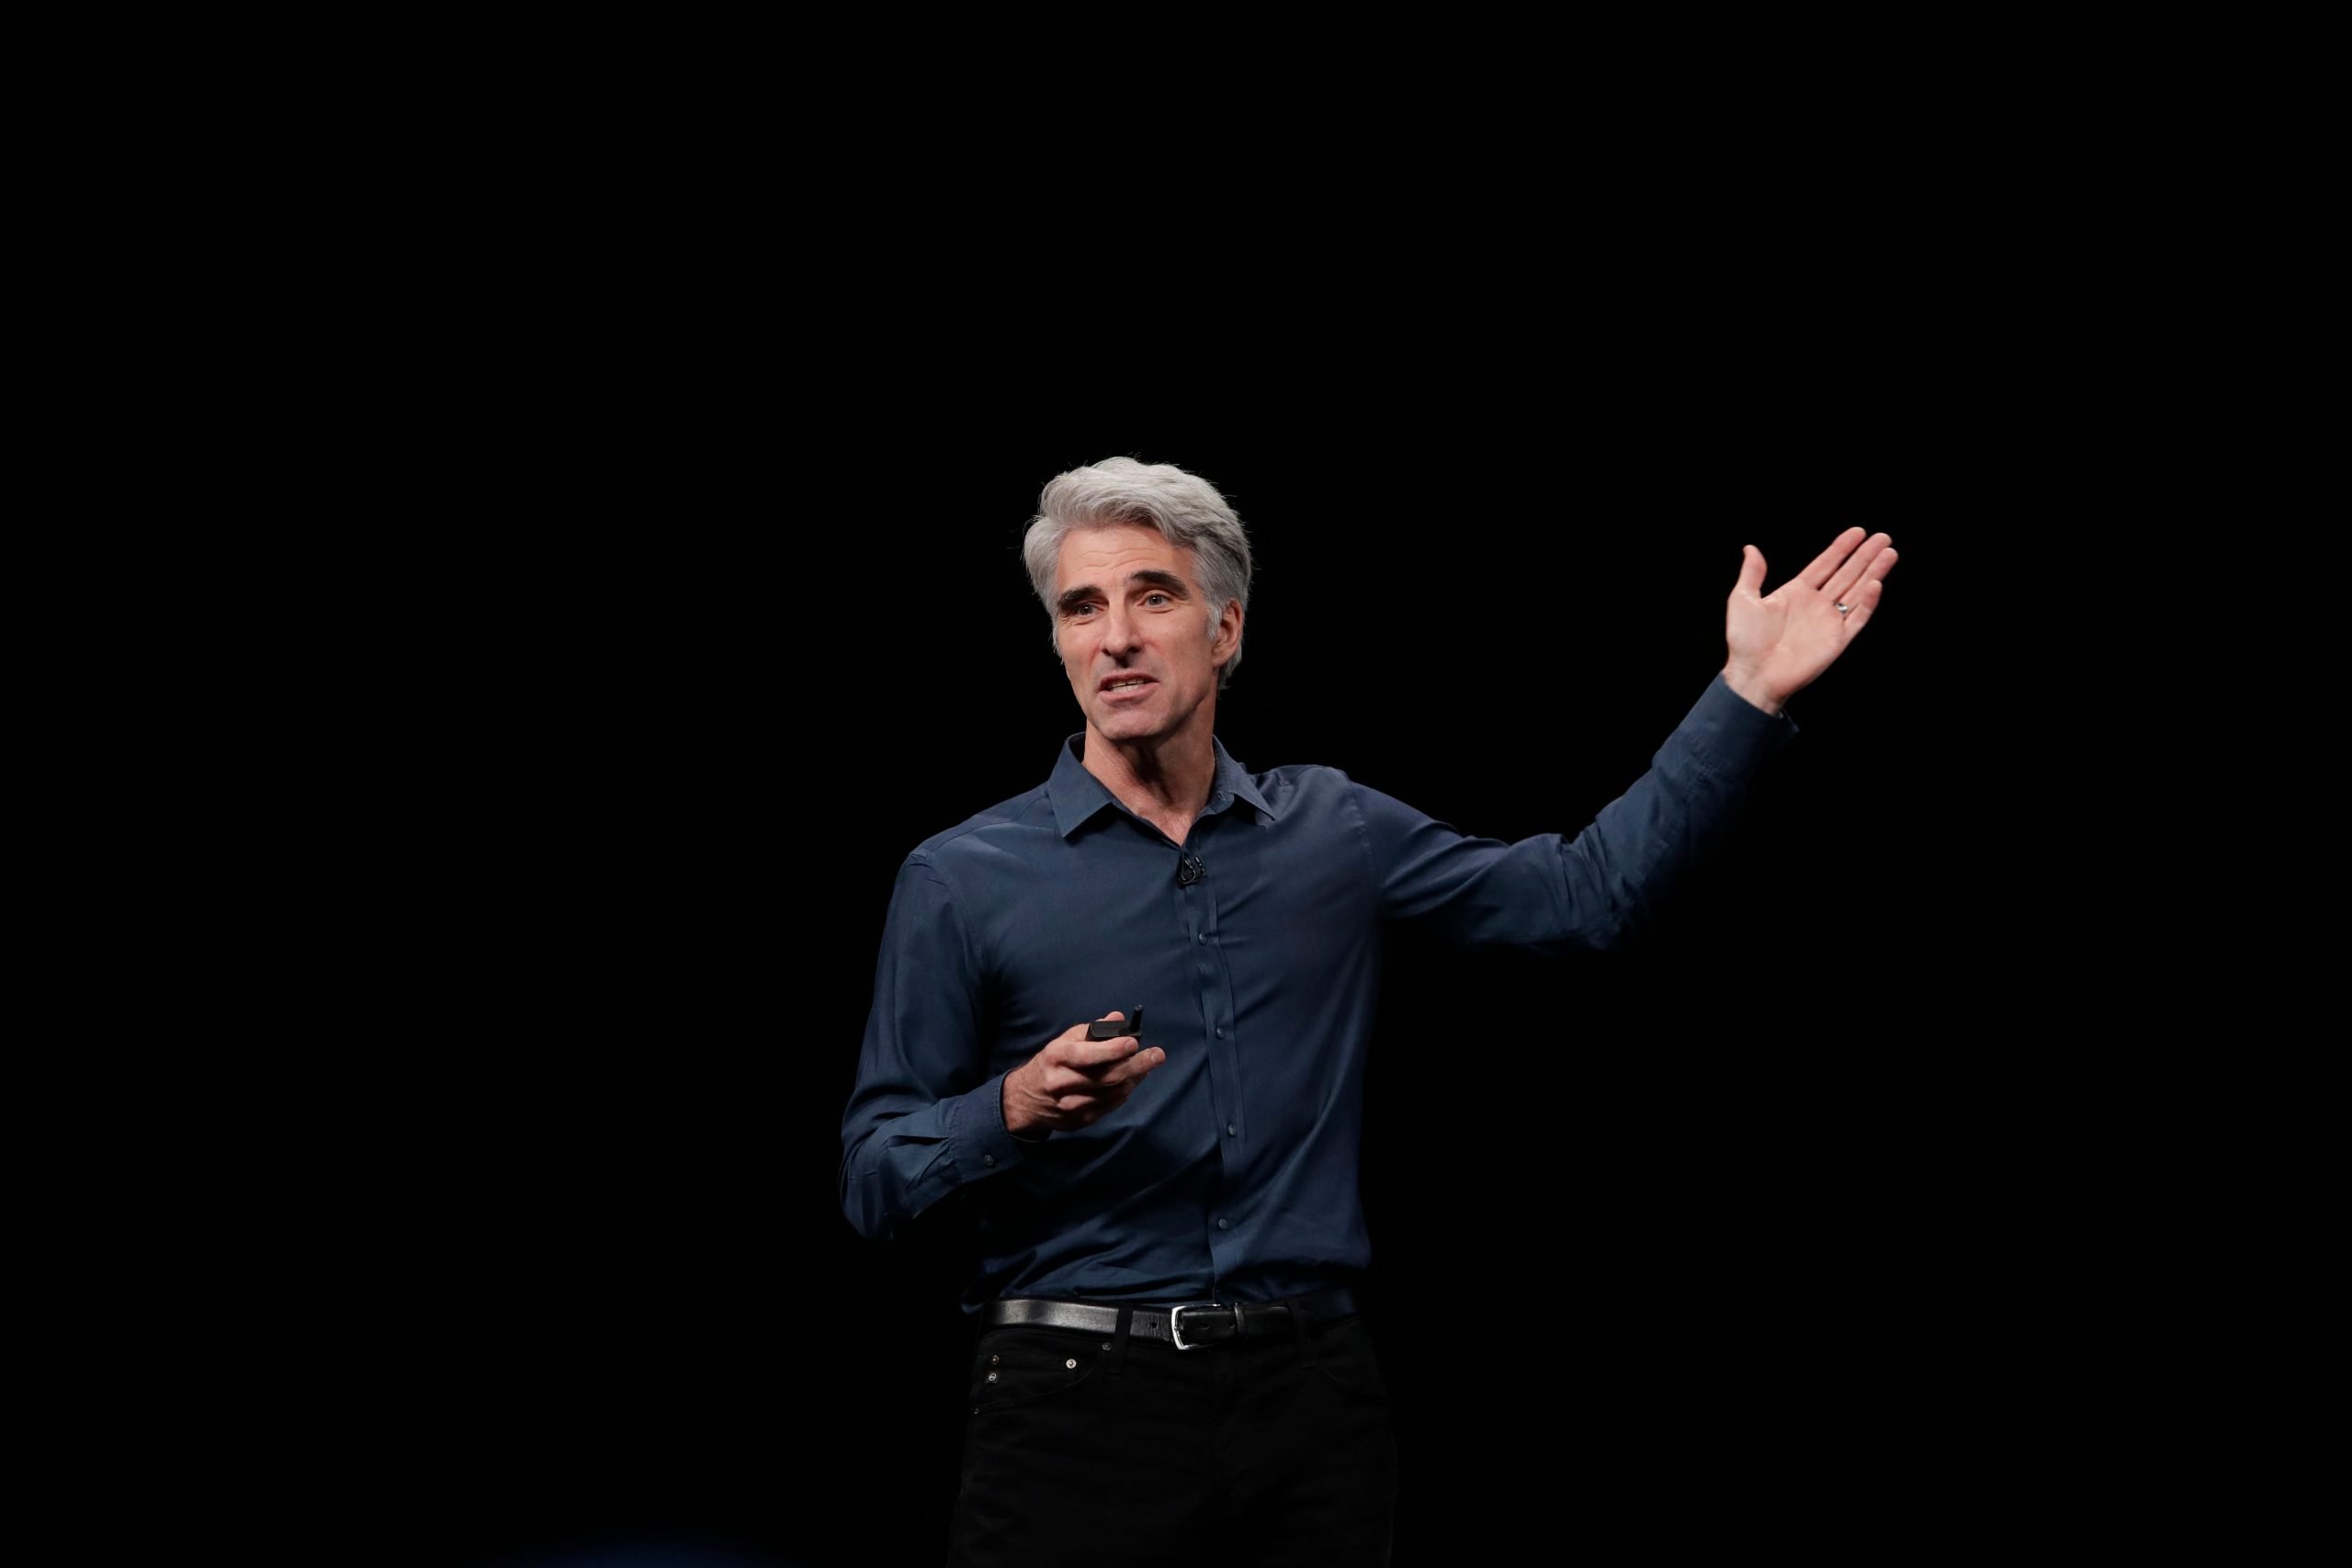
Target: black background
point(1685, 1247)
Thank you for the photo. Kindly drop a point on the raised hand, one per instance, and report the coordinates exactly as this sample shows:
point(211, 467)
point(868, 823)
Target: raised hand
point(1780, 642)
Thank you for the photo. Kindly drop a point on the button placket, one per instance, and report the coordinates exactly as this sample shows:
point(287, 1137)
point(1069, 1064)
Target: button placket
point(1217, 1005)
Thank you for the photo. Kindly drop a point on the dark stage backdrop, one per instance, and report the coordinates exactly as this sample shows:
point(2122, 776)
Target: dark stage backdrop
point(1670, 1249)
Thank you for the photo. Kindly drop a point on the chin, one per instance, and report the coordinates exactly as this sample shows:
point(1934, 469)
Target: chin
point(1127, 726)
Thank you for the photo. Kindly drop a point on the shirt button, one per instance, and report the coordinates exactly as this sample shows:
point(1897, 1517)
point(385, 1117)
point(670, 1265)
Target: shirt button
point(987, 1160)
point(1220, 1034)
point(1221, 1225)
point(1231, 1130)
point(1199, 936)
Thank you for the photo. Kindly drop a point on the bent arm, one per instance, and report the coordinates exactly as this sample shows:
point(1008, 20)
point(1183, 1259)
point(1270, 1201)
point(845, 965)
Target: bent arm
point(922, 1121)
point(1608, 883)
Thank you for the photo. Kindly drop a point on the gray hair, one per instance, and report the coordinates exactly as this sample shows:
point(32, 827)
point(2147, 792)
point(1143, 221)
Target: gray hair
point(1185, 508)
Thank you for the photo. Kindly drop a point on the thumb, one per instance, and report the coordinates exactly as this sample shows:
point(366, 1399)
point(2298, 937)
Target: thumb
point(1751, 571)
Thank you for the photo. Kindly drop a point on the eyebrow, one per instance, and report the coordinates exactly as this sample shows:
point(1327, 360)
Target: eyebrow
point(1150, 577)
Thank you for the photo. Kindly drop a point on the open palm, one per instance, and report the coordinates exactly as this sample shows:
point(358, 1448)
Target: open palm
point(1780, 642)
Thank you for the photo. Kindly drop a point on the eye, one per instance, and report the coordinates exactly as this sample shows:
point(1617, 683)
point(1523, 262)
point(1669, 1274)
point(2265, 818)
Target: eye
point(1157, 598)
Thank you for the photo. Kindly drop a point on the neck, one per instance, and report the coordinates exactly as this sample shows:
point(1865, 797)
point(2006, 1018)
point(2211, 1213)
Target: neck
point(1165, 780)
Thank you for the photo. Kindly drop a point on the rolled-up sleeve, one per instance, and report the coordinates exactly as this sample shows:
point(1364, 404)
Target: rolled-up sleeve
point(921, 1122)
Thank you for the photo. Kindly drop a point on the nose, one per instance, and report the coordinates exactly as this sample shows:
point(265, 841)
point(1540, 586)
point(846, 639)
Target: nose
point(1118, 632)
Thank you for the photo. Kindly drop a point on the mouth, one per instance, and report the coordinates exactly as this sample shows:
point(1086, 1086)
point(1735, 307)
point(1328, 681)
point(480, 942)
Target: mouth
point(1125, 687)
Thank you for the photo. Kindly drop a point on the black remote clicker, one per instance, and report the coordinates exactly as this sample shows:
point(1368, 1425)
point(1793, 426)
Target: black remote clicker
point(1111, 1027)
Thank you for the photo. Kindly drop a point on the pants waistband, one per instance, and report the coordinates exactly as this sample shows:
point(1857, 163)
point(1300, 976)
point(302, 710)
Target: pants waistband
point(1189, 1326)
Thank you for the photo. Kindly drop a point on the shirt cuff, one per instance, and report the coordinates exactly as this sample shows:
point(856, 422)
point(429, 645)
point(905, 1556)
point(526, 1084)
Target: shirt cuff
point(977, 1139)
point(1732, 735)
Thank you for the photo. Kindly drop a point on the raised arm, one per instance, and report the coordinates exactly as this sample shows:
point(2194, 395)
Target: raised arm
point(1609, 881)
point(1603, 885)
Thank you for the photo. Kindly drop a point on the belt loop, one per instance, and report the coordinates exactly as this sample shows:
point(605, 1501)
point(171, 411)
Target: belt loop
point(1119, 1340)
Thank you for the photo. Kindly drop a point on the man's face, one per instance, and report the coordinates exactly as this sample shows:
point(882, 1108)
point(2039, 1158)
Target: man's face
point(1135, 635)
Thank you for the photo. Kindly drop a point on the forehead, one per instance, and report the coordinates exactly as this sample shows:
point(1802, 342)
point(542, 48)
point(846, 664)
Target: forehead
point(1107, 555)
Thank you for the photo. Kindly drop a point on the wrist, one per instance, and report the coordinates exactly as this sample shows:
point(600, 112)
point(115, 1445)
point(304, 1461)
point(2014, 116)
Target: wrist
point(1019, 1120)
point(1752, 688)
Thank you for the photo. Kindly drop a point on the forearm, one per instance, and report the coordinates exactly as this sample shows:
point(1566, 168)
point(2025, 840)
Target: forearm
point(922, 1120)
point(1640, 846)
point(1594, 890)
point(900, 1155)
point(1752, 687)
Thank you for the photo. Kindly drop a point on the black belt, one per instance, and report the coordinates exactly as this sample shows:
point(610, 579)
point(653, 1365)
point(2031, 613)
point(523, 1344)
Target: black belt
point(1189, 1326)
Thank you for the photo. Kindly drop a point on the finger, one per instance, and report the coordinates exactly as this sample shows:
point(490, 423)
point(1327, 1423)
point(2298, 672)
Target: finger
point(1079, 1033)
point(1079, 1111)
point(1133, 1069)
point(1857, 566)
point(1751, 571)
point(1091, 1076)
point(1085, 1098)
point(1817, 571)
point(1067, 1088)
point(1081, 1106)
point(1865, 601)
point(1863, 596)
point(1093, 1059)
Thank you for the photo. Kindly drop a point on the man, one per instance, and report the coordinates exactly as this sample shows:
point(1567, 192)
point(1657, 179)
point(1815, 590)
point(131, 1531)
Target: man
point(1122, 1020)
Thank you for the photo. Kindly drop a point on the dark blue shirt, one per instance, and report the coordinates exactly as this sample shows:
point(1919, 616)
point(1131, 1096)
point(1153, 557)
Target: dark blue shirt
point(1231, 1172)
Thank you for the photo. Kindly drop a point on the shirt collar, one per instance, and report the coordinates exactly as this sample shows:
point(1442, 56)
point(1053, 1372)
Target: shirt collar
point(1077, 795)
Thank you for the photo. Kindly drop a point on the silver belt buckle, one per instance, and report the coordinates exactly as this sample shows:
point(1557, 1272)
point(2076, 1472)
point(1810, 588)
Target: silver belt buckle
point(1176, 1319)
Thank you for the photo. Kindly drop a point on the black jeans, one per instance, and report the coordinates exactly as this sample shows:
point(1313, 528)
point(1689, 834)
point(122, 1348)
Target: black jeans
point(1083, 1450)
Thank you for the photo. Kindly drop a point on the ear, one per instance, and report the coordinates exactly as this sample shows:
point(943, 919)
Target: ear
point(1227, 635)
